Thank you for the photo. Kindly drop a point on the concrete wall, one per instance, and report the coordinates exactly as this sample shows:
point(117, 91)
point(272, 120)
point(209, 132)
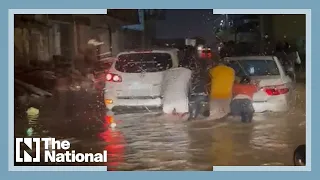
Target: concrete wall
point(117, 42)
point(125, 40)
point(21, 46)
point(69, 38)
point(31, 44)
point(133, 39)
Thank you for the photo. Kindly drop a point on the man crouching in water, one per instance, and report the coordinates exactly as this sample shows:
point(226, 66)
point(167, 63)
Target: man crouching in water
point(241, 104)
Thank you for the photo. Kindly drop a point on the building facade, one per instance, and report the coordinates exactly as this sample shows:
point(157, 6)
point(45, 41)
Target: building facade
point(39, 38)
point(278, 27)
point(290, 28)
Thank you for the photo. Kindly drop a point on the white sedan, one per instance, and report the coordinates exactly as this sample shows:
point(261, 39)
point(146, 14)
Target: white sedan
point(276, 88)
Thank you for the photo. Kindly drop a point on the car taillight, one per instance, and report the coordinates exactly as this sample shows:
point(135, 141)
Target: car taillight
point(113, 77)
point(206, 55)
point(276, 90)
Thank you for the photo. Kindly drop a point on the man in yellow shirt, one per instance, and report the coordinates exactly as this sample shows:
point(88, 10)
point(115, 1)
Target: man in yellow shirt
point(222, 79)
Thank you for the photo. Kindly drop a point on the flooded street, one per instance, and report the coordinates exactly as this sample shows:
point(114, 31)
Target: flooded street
point(157, 142)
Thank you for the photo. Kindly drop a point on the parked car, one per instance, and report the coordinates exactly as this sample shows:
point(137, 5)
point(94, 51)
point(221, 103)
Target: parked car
point(299, 155)
point(205, 53)
point(276, 88)
point(134, 79)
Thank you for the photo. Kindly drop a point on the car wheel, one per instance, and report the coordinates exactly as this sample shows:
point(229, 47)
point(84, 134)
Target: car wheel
point(299, 156)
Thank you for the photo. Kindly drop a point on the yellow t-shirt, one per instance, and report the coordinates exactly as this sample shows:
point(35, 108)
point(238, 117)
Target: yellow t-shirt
point(222, 79)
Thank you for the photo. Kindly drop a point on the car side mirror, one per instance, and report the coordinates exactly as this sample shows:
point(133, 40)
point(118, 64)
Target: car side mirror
point(299, 155)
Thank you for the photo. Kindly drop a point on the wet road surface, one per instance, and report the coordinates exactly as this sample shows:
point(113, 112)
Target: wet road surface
point(158, 142)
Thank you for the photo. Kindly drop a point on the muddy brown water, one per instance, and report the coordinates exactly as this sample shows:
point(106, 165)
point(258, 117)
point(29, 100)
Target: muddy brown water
point(158, 142)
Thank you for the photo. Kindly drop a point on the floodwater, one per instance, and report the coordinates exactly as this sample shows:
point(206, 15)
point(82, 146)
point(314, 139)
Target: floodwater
point(157, 142)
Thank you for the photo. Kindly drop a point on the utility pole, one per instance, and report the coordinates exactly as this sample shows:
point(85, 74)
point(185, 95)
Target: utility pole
point(143, 23)
point(227, 21)
point(261, 23)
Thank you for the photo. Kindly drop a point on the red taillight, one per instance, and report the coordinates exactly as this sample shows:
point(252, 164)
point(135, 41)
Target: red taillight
point(276, 90)
point(113, 77)
point(206, 55)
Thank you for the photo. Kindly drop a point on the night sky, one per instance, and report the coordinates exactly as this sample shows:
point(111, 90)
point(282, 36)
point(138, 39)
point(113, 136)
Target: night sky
point(187, 23)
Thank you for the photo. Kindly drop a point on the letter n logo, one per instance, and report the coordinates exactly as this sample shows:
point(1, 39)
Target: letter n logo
point(27, 156)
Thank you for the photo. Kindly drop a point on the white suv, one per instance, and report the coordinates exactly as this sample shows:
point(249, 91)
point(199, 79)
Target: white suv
point(134, 79)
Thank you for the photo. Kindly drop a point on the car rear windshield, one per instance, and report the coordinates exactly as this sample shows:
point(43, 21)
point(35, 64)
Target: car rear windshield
point(143, 62)
point(254, 67)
